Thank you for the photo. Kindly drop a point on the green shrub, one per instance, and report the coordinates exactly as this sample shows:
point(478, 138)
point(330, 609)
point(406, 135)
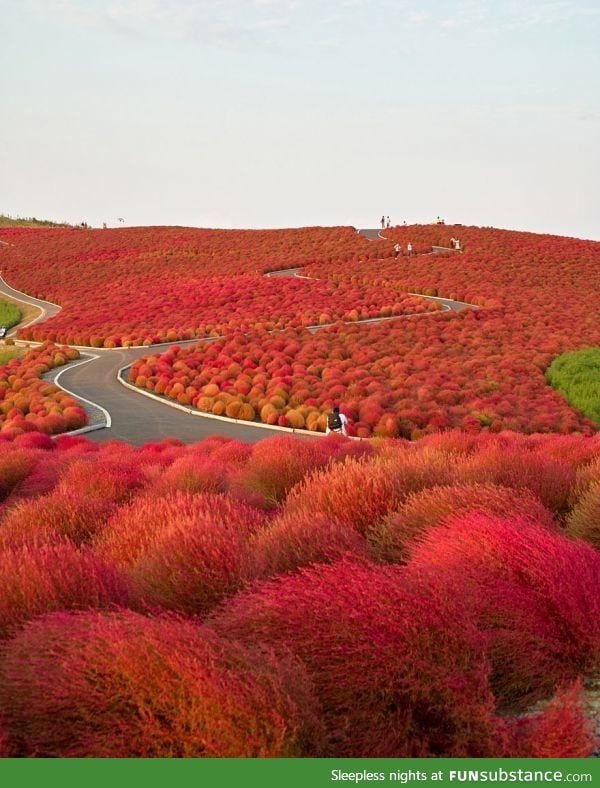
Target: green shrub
point(6, 355)
point(577, 377)
point(10, 314)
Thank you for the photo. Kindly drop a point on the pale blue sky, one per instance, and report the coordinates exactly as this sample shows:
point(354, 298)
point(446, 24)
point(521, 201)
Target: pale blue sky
point(279, 113)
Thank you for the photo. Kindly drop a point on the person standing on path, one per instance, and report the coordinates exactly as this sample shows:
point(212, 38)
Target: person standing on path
point(336, 422)
point(409, 249)
point(382, 222)
point(397, 251)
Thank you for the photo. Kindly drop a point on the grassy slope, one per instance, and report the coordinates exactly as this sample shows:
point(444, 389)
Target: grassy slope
point(6, 355)
point(9, 221)
point(10, 314)
point(577, 376)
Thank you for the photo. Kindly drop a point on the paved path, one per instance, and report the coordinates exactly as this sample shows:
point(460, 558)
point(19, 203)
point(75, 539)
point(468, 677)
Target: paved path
point(372, 235)
point(136, 418)
point(447, 303)
point(116, 412)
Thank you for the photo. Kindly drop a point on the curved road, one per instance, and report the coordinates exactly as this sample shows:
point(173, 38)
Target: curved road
point(116, 412)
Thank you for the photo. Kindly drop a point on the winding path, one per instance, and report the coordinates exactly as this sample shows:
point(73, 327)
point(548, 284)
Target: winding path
point(118, 411)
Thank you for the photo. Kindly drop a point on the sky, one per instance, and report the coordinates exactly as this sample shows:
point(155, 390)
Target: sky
point(287, 113)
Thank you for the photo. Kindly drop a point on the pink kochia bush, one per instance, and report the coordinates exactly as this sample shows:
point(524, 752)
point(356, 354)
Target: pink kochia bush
point(122, 685)
point(533, 591)
point(398, 672)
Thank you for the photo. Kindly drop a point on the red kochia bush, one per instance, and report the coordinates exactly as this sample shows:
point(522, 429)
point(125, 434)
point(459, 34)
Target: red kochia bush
point(533, 591)
point(15, 465)
point(136, 528)
point(563, 729)
point(42, 478)
point(423, 509)
point(43, 579)
point(102, 478)
point(280, 462)
point(295, 540)
point(399, 673)
point(360, 492)
point(34, 440)
point(4, 745)
point(194, 473)
point(183, 552)
point(514, 465)
point(575, 450)
point(586, 476)
point(194, 564)
point(54, 518)
point(584, 519)
point(75, 445)
point(124, 686)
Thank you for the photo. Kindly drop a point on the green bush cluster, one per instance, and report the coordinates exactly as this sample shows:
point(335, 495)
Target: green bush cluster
point(577, 376)
point(31, 221)
point(10, 314)
point(6, 355)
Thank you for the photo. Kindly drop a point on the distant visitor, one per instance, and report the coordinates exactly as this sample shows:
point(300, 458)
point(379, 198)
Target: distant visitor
point(336, 422)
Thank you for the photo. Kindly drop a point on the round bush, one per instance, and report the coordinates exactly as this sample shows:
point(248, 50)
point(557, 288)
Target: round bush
point(121, 685)
point(53, 518)
point(296, 540)
point(278, 463)
point(562, 729)
point(533, 591)
point(516, 466)
point(360, 492)
point(102, 478)
point(137, 528)
point(398, 673)
point(583, 520)
point(36, 580)
point(389, 539)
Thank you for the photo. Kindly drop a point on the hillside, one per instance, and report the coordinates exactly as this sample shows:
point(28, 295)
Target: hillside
point(532, 299)
point(10, 221)
point(429, 593)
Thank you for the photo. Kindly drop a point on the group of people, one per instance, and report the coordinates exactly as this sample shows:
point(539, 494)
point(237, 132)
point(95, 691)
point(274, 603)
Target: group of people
point(455, 244)
point(385, 222)
point(398, 250)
